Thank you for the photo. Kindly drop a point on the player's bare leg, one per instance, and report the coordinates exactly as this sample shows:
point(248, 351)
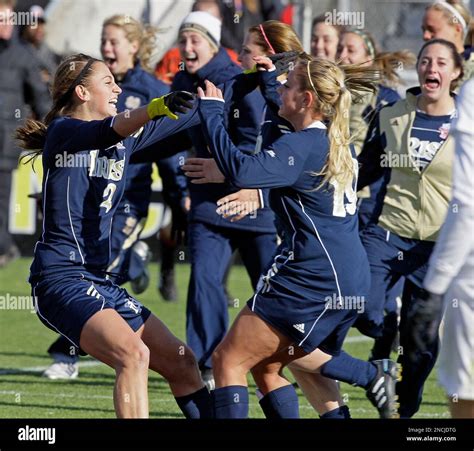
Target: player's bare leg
point(322, 393)
point(241, 350)
point(171, 358)
point(108, 338)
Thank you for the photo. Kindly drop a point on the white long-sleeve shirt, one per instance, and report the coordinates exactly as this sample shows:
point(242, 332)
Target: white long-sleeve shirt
point(452, 260)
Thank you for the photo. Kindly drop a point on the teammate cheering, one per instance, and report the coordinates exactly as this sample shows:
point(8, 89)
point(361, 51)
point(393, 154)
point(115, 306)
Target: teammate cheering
point(412, 138)
point(85, 148)
point(312, 174)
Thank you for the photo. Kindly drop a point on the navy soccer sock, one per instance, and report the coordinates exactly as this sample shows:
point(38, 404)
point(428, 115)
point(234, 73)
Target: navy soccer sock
point(340, 413)
point(348, 369)
point(281, 403)
point(196, 405)
point(231, 402)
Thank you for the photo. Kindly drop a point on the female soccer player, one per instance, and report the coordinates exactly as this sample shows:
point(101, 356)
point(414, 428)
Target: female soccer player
point(311, 173)
point(359, 47)
point(85, 147)
point(321, 392)
point(451, 20)
point(325, 38)
point(126, 46)
point(412, 138)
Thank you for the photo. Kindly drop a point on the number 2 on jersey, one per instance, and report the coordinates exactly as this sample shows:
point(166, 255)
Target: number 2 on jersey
point(108, 194)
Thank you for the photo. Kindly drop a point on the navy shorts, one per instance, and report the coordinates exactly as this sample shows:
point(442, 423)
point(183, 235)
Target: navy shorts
point(64, 304)
point(309, 324)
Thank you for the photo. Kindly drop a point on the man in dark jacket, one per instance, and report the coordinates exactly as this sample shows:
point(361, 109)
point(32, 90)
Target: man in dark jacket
point(212, 239)
point(22, 93)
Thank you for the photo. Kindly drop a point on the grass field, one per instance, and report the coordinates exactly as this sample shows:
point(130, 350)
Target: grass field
point(24, 341)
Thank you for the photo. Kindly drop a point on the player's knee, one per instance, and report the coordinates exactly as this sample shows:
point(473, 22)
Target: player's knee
point(266, 375)
point(135, 355)
point(222, 360)
point(182, 368)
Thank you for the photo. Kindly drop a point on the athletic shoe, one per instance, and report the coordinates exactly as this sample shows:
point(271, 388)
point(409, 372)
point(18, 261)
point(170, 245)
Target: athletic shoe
point(61, 370)
point(381, 392)
point(140, 284)
point(167, 286)
point(208, 378)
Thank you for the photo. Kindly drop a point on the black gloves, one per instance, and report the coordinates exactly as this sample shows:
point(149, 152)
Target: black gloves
point(423, 322)
point(284, 62)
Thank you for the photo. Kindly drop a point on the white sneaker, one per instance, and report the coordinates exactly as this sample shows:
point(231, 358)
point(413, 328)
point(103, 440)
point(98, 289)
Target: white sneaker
point(140, 284)
point(61, 370)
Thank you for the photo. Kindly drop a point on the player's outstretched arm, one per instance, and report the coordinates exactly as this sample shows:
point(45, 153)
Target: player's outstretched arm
point(168, 105)
point(266, 169)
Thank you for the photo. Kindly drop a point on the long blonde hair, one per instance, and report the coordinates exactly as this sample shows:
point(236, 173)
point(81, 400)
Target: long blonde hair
point(452, 19)
point(145, 35)
point(334, 86)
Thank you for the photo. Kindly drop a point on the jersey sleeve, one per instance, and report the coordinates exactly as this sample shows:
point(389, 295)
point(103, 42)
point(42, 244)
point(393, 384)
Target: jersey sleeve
point(276, 166)
point(74, 135)
point(163, 128)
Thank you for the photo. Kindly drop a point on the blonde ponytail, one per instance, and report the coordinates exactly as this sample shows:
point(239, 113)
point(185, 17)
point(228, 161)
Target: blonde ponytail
point(335, 86)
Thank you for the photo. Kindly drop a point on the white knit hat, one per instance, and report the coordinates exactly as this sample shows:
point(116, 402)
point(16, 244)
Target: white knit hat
point(205, 24)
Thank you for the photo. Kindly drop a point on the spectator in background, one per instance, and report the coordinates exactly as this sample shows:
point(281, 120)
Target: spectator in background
point(170, 64)
point(452, 21)
point(21, 92)
point(33, 37)
point(325, 38)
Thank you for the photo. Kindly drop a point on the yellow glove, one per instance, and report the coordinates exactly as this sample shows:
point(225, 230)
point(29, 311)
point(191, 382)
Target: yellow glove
point(168, 105)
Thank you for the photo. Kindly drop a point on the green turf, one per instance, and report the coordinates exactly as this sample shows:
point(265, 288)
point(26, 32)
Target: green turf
point(24, 340)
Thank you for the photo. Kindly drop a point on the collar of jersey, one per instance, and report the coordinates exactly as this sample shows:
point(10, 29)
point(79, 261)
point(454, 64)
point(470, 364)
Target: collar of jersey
point(316, 124)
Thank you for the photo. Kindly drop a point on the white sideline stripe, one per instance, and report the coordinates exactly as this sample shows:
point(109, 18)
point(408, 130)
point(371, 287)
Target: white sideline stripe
point(37, 369)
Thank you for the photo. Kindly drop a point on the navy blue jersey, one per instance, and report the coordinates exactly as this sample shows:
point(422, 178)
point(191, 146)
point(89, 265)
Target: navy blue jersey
point(427, 135)
point(242, 120)
point(85, 165)
point(138, 88)
point(370, 208)
point(322, 254)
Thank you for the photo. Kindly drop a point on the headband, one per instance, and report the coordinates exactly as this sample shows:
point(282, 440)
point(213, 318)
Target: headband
point(341, 85)
point(266, 39)
point(367, 41)
point(77, 81)
point(454, 12)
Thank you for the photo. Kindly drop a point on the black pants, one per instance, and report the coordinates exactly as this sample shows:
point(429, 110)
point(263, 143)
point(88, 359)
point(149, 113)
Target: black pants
point(6, 239)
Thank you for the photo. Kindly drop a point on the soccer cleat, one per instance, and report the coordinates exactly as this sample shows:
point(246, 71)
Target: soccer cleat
point(381, 392)
point(62, 370)
point(140, 284)
point(167, 286)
